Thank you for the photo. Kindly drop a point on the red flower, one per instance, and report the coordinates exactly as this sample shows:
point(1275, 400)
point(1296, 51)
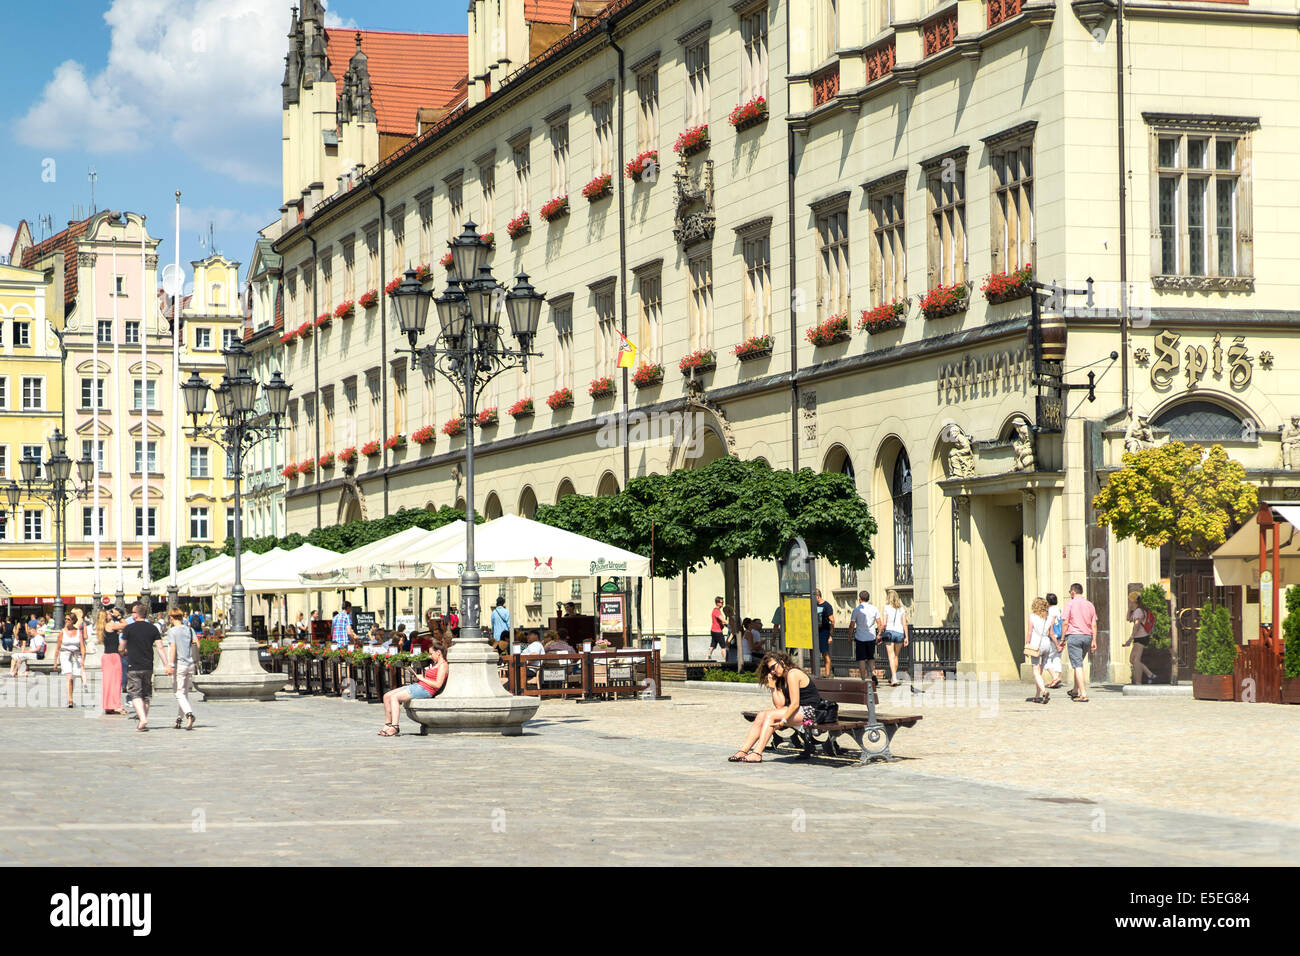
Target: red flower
point(696, 137)
point(346, 310)
point(423, 435)
point(600, 186)
point(395, 441)
point(832, 330)
point(368, 299)
point(554, 209)
point(754, 109)
point(561, 398)
point(518, 226)
point(454, 426)
point(647, 373)
point(522, 408)
point(370, 448)
point(347, 454)
point(644, 166)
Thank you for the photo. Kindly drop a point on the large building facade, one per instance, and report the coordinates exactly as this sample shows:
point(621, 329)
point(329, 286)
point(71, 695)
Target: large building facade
point(904, 155)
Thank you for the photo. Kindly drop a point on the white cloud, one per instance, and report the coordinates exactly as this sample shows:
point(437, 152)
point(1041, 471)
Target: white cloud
point(335, 22)
point(6, 239)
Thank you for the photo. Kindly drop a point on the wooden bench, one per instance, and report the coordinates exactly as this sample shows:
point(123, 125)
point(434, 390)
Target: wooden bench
point(867, 730)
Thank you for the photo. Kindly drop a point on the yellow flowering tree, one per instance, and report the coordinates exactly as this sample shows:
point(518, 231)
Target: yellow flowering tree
point(1177, 494)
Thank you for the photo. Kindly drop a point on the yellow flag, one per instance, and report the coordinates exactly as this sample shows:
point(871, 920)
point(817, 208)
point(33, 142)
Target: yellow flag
point(626, 353)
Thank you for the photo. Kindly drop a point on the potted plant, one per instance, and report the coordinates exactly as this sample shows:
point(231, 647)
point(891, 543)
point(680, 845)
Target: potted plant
point(392, 285)
point(289, 471)
point(886, 316)
point(521, 225)
point(346, 309)
point(601, 387)
point(599, 188)
point(288, 338)
point(423, 272)
point(754, 347)
point(1157, 654)
point(555, 209)
point(1005, 286)
point(644, 167)
point(830, 331)
point(348, 457)
point(368, 299)
point(454, 426)
point(699, 361)
point(447, 261)
point(486, 418)
point(1215, 652)
point(423, 435)
point(488, 239)
point(561, 398)
point(692, 140)
point(748, 114)
point(325, 461)
point(1291, 633)
point(393, 442)
point(323, 320)
point(945, 300)
point(304, 330)
point(306, 467)
point(648, 374)
point(522, 408)
point(371, 448)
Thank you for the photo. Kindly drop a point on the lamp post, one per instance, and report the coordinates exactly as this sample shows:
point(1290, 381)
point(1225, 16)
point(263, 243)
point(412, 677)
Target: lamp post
point(469, 352)
point(237, 426)
point(56, 490)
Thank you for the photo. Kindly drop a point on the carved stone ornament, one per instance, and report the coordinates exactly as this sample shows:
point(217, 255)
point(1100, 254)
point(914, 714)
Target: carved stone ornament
point(1138, 434)
point(1142, 357)
point(1204, 283)
point(696, 226)
point(1291, 444)
point(961, 456)
point(1024, 446)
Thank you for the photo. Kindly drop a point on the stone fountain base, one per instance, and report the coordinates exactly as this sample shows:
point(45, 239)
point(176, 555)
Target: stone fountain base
point(239, 674)
point(473, 702)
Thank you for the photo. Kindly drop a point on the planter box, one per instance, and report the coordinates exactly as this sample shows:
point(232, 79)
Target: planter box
point(1159, 662)
point(950, 310)
point(835, 340)
point(698, 147)
point(650, 382)
point(700, 369)
point(1212, 686)
point(754, 354)
point(1291, 690)
point(604, 393)
point(750, 123)
point(1020, 293)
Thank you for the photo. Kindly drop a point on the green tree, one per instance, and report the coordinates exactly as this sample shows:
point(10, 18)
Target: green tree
point(161, 556)
point(1156, 600)
point(1215, 647)
point(1180, 495)
point(1291, 633)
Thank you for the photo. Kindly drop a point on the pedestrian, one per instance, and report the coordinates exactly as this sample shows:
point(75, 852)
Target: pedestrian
point(825, 631)
point(141, 638)
point(196, 621)
point(453, 622)
point(501, 624)
point(70, 651)
point(1144, 623)
point(718, 629)
point(341, 631)
point(1036, 642)
point(1055, 634)
point(181, 639)
point(6, 633)
point(1080, 638)
point(896, 634)
point(110, 663)
point(778, 626)
point(865, 622)
point(794, 704)
point(426, 686)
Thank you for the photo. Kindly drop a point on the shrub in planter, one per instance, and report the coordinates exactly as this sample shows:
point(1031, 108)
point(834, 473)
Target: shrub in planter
point(371, 448)
point(753, 347)
point(348, 455)
point(423, 435)
point(748, 114)
point(692, 140)
point(599, 188)
point(648, 374)
point(487, 417)
point(1005, 286)
point(601, 387)
point(644, 167)
point(1291, 662)
point(701, 360)
point(555, 209)
point(347, 308)
point(454, 426)
point(731, 677)
point(886, 316)
point(519, 226)
point(1215, 652)
point(944, 300)
point(562, 398)
point(832, 330)
point(368, 299)
point(395, 441)
point(1154, 599)
point(522, 408)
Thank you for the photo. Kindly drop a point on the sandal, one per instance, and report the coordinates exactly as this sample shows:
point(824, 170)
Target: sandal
point(387, 728)
point(1033, 700)
point(189, 721)
point(1081, 700)
point(142, 727)
point(737, 757)
point(177, 725)
point(1047, 695)
point(758, 757)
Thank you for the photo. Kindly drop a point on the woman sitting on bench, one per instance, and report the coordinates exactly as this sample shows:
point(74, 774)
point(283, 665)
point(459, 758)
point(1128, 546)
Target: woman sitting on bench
point(427, 686)
point(794, 704)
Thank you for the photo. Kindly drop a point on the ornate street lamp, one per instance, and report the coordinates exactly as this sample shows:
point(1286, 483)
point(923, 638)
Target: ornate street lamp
point(469, 352)
point(236, 428)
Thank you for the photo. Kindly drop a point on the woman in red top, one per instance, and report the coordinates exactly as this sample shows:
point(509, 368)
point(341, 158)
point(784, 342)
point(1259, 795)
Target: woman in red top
point(426, 686)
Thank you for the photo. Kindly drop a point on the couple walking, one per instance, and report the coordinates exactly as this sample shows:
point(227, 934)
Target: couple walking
point(1051, 630)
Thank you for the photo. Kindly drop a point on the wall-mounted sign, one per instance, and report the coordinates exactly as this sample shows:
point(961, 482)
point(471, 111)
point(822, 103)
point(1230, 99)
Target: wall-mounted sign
point(983, 376)
point(1172, 358)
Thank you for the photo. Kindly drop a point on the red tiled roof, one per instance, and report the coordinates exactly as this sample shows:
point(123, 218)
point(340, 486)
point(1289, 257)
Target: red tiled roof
point(407, 71)
point(66, 243)
point(548, 11)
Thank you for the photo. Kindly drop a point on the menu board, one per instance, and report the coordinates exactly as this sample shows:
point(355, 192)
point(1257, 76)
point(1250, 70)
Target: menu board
point(363, 622)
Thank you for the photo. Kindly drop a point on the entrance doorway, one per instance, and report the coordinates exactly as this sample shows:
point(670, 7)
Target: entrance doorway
point(1195, 586)
point(1003, 537)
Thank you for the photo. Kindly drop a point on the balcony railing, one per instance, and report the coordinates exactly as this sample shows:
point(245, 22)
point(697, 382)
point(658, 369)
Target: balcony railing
point(880, 60)
point(826, 85)
point(939, 33)
point(1000, 10)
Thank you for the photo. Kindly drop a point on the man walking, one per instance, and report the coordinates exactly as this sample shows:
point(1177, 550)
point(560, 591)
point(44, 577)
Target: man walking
point(1080, 637)
point(866, 624)
point(140, 638)
point(825, 627)
point(341, 632)
point(501, 625)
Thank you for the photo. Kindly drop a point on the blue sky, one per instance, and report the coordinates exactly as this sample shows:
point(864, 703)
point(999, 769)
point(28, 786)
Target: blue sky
point(160, 95)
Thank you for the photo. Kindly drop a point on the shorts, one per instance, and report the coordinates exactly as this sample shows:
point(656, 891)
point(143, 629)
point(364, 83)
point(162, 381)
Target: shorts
point(1077, 645)
point(807, 715)
point(1142, 641)
point(893, 637)
point(864, 650)
point(70, 662)
point(419, 692)
point(716, 639)
point(139, 684)
point(824, 642)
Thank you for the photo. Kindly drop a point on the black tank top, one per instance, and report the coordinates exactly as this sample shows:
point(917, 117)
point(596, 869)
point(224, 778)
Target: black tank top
point(808, 696)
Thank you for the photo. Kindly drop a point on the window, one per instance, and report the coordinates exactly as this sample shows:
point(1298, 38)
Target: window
point(650, 285)
point(697, 83)
point(833, 261)
point(229, 337)
point(426, 226)
point(119, 285)
point(701, 302)
point(397, 229)
point(945, 181)
point(33, 393)
point(602, 148)
point(757, 250)
point(153, 522)
point(487, 182)
point(33, 525)
point(901, 490)
point(455, 205)
point(132, 332)
point(199, 527)
point(104, 331)
point(560, 159)
point(753, 60)
point(826, 30)
point(230, 522)
point(1012, 160)
point(1200, 421)
point(888, 241)
point(608, 339)
point(372, 266)
point(92, 393)
point(1202, 221)
point(349, 270)
point(88, 523)
point(139, 458)
point(562, 317)
point(22, 334)
point(647, 113)
point(4, 461)
point(399, 397)
point(36, 452)
point(4, 392)
point(520, 157)
point(87, 445)
point(199, 464)
point(150, 392)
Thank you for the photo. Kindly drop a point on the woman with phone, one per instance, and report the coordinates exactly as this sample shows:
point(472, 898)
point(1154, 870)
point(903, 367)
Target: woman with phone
point(426, 687)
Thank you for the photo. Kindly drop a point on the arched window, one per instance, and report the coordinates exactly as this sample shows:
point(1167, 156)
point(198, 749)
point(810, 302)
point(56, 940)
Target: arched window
point(900, 488)
point(1200, 421)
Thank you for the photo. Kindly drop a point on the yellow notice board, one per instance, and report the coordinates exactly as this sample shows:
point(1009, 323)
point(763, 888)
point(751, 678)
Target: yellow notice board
point(798, 622)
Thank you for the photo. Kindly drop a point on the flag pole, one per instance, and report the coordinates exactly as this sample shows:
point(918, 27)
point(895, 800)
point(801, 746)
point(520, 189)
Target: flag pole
point(177, 421)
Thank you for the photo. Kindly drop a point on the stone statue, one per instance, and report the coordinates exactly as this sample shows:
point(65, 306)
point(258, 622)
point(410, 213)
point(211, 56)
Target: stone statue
point(961, 457)
point(1024, 445)
point(1138, 434)
point(1291, 443)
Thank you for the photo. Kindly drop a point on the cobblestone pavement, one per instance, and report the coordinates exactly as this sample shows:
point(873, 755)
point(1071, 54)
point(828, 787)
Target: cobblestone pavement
point(1124, 781)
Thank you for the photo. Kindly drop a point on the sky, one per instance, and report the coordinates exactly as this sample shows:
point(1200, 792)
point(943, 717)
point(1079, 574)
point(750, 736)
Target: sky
point(156, 96)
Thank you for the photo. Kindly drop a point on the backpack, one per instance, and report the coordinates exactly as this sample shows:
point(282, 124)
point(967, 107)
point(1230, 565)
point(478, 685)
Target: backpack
point(1058, 625)
point(1149, 623)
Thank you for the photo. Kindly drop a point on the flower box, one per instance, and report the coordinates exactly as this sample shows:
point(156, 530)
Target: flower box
point(288, 338)
point(830, 331)
point(522, 408)
point(393, 285)
point(599, 188)
point(1005, 286)
point(945, 300)
point(348, 455)
point(886, 316)
point(488, 239)
point(521, 225)
point(423, 435)
point(693, 140)
point(447, 261)
point(601, 387)
point(423, 272)
point(486, 418)
point(368, 299)
point(702, 360)
point(323, 320)
point(306, 467)
point(754, 347)
point(644, 167)
point(1212, 686)
point(395, 441)
point(346, 309)
point(749, 114)
point(560, 399)
point(557, 208)
point(648, 374)
point(326, 460)
point(289, 471)
point(371, 448)
point(454, 426)
point(304, 331)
